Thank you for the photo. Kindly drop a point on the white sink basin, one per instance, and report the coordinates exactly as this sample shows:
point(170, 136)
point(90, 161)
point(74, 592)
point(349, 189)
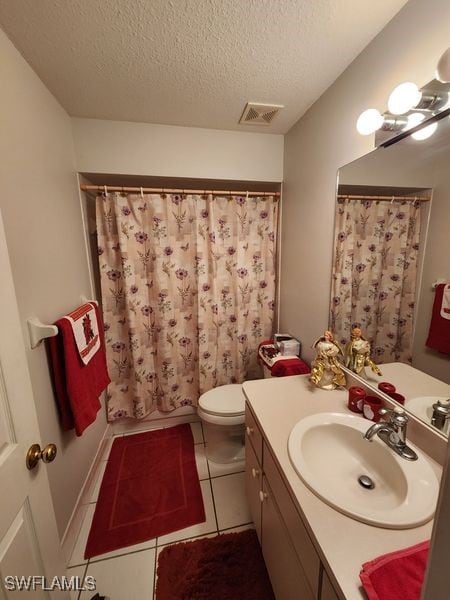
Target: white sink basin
point(329, 453)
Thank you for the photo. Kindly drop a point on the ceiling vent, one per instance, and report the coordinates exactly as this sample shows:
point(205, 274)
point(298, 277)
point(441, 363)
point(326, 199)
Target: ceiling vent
point(259, 114)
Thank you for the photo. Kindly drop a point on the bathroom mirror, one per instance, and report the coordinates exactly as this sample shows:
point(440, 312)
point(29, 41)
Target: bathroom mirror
point(391, 246)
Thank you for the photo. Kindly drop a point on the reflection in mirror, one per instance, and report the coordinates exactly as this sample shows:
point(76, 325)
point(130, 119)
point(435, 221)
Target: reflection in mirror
point(391, 245)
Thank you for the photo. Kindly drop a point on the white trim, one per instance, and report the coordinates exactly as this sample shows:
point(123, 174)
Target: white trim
point(278, 273)
point(135, 426)
point(87, 247)
point(70, 535)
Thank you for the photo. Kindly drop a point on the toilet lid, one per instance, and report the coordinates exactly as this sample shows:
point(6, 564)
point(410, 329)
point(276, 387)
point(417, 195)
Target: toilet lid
point(226, 400)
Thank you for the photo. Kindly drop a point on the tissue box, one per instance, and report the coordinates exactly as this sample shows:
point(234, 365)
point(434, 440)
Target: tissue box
point(289, 347)
point(281, 337)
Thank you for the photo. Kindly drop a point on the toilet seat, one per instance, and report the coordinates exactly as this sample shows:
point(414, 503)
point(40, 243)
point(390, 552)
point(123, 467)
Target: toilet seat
point(225, 401)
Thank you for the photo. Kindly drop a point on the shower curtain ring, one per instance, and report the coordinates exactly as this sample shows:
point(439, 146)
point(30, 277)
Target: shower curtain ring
point(105, 191)
point(142, 192)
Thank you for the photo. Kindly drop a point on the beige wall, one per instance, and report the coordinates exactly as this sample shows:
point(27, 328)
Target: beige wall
point(169, 151)
point(326, 139)
point(41, 212)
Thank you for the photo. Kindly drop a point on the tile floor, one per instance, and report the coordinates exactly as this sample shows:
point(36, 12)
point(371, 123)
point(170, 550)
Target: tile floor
point(130, 573)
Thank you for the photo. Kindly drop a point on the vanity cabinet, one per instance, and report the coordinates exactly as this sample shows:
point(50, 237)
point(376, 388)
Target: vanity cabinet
point(328, 592)
point(293, 564)
point(253, 484)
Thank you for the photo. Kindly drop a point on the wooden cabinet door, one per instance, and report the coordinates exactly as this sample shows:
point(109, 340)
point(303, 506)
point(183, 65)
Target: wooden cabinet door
point(328, 592)
point(253, 485)
point(286, 573)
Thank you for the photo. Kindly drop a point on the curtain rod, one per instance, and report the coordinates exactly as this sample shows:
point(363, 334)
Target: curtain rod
point(144, 190)
point(385, 198)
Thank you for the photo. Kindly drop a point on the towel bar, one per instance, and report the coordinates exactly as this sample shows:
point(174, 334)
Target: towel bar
point(38, 331)
point(438, 282)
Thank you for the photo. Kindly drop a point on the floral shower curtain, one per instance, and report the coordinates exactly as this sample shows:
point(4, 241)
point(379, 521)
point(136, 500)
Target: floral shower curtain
point(188, 290)
point(374, 274)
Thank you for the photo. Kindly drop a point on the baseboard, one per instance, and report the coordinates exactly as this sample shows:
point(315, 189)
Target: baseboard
point(70, 535)
point(155, 420)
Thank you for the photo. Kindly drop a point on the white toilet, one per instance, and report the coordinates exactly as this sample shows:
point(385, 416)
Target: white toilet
point(222, 411)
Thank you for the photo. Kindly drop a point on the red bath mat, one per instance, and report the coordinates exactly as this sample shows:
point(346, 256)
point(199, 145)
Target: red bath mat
point(150, 488)
point(224, 567)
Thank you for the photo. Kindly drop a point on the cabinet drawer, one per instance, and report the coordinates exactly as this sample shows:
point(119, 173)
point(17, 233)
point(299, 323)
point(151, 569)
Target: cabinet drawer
point(253, 486)
point(284, 568)
point(253, 434)
point(300, 538)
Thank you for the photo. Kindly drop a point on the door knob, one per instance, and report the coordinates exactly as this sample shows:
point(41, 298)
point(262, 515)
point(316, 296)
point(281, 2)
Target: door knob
point(35, 454)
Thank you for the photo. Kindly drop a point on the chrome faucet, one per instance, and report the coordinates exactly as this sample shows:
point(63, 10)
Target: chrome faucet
point(441, 413)
point(393, 432)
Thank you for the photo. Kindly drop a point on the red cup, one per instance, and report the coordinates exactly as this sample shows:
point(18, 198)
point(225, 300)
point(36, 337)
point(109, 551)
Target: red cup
point(356, 397)
point(386, 387)
point(397, 397)
point(371, 408)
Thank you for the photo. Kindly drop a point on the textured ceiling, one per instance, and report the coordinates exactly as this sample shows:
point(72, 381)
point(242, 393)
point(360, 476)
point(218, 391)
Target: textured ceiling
point(191, 62)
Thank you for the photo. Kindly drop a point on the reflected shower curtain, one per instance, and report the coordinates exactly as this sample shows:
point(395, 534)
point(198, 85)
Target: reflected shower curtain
point(374, 274)
point(188, 290)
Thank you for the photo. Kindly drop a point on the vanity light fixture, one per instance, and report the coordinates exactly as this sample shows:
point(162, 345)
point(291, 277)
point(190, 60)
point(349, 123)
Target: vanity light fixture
point(410, 108)
point(372, 120)
point(369, 121)
point(443, 68)
point(414, 119)
point(407, 96)
point(425, 133)
point(403, 98)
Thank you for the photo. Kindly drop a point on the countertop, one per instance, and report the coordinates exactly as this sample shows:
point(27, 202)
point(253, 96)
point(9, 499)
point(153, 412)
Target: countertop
point(410, 382)
point(342, 543)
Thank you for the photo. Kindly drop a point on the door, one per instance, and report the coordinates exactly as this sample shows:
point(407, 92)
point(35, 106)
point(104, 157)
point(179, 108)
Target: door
point(283, 565)
point(29, 543)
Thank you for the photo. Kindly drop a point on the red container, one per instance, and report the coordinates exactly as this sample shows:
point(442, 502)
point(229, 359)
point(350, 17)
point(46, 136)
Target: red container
point(356, 397)
point(386, 387)
point(397, 397)
point(371, 408)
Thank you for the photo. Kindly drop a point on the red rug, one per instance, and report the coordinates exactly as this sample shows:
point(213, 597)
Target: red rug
point(150, 488)
point(225, 567)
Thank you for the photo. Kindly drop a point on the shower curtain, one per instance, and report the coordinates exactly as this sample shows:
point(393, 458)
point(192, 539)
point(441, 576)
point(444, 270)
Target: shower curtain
point(374, 274)
point(188, 290)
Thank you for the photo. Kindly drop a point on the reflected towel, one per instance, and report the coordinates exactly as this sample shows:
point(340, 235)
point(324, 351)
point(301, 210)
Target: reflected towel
point(289, 366)
point(396, 575)
point(445, 306)
point(439, 334)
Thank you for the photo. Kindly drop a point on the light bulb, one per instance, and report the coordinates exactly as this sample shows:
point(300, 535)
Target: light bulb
point(369, 121)
point(425, 133)
point(413, 120)
point(443, 68)
point(403, 98)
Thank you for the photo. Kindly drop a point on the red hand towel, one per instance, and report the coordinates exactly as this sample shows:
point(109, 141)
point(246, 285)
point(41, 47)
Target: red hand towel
point(439, 334)
point(290, 366)
point(77, 386)
point(396, 575)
